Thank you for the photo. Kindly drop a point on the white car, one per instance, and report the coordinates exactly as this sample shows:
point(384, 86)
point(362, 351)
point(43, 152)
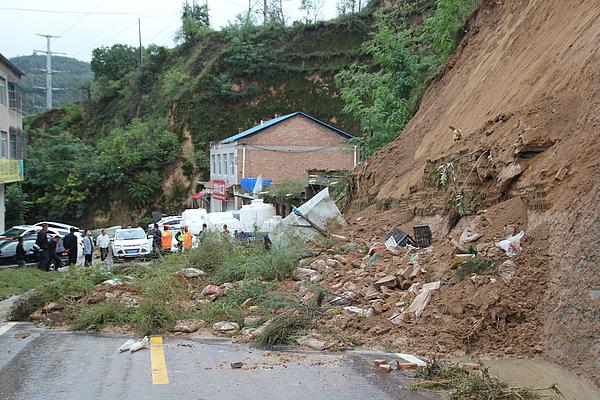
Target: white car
point(63, 230)
point(130, 243)
point(173, 222)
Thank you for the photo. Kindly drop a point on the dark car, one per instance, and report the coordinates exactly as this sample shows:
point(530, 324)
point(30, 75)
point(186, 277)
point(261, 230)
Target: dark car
point(8, 251)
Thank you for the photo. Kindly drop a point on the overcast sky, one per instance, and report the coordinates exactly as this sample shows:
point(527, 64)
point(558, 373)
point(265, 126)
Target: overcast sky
point(109, 22)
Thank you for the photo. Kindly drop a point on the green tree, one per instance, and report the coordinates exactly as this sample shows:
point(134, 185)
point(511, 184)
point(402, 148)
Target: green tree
point(445, 25)
point(312, 9)
point(195, 20)
point(17, 205)
point(114, 62)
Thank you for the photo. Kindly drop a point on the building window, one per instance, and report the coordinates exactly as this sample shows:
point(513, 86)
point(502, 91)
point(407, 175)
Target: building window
point(3, 91)
point(224, 164)
point(214, 164)
point(231, 164)
point(12, 149)
point(218, 164)
point(14, 96)
point(3, 144)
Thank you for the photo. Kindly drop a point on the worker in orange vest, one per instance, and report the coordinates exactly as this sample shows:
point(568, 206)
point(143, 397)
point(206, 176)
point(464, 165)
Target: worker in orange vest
point(167, 239)
point(187, 239)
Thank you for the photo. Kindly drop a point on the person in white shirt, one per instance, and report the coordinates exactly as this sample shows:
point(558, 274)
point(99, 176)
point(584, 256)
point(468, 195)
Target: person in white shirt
point(103, 243)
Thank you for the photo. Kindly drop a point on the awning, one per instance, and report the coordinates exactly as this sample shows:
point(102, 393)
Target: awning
point(200, 194)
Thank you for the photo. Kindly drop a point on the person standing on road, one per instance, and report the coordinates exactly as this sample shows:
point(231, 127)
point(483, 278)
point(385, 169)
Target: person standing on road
point(21, 254)
point(187, 239)
point(156, 239)
point(167, 239)
point(88, 248)
point(103, 243)
point(70, 244)
point(179, 240)
point(44, 247)
point(52, 253)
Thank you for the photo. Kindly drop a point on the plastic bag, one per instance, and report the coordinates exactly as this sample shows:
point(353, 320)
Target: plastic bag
point(512, 244)
point(126, 346)
point(142, 344)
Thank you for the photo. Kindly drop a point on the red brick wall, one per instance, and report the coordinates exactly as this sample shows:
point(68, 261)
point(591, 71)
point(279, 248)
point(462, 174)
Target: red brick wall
point(299, 135)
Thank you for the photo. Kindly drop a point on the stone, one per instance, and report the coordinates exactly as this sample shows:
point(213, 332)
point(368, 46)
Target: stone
point(312, 343)
point(236, 365)
point(226, 327)
point(22, 335)
point(341, 259)
point(389, 281)
point(379, 361)
point(191, 272)
point(371, 293)
point(188, 326)
point(210, 290)
point(405, 285)
point(506, 177)
point(357, 263)
point(345, 299)
point(349, 286)
point(318, 265)
point(52, 306)
point(304, 273)
point(470, 366)
point(333, 263)
point(407, 366)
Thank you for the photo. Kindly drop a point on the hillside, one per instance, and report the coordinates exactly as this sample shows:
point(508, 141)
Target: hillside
point(73, 78)
point(522, 89)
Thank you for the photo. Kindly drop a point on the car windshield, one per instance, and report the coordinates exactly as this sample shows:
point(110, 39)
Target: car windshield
point(130, 234)
point(14, 232)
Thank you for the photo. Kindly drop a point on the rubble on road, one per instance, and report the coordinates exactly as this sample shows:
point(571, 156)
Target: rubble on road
point(22, 335)
point(188, 326)
point(226, 327)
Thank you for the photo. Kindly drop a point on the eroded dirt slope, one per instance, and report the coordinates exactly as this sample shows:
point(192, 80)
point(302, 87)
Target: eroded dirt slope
point(523, 89)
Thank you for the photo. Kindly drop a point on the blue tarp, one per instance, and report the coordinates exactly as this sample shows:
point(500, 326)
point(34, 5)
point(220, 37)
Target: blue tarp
point(248, 183)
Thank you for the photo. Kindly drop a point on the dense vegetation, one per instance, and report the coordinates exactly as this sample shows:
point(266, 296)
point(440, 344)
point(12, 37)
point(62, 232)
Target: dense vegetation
point(73, 80)
point(116, 148)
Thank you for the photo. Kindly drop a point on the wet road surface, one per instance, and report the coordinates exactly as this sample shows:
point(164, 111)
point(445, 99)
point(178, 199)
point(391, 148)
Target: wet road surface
point(62, 365)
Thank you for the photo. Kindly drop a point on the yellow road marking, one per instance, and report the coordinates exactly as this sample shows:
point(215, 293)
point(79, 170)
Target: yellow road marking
point(157, 360)
point(6, 327)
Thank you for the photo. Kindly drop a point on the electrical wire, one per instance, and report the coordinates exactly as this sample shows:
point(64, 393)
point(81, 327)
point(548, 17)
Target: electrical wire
point(79, 20)
point(85, 12)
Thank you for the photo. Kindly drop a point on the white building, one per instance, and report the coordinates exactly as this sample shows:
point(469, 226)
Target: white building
point(12, 142)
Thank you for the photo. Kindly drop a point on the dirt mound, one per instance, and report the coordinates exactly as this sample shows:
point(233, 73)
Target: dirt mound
point(522, 88)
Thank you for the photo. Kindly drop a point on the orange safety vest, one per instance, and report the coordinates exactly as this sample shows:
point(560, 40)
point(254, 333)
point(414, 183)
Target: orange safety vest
point(187, 241)
point(167, 239)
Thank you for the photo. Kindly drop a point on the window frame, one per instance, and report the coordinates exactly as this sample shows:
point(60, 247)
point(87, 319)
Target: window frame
point(3, 92)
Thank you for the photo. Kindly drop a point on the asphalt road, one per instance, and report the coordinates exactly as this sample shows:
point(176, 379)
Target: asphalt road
point(62, 365)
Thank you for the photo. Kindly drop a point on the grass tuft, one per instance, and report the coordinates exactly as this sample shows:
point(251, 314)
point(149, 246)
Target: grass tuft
point(281, 330)
point(477, 265)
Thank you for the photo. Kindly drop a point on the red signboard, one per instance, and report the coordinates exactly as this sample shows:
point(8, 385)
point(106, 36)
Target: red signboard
point(218, 190)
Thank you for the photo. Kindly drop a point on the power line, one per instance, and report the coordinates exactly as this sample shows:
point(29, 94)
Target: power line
point(106, 39)
point(82, 18)
point(85, 12)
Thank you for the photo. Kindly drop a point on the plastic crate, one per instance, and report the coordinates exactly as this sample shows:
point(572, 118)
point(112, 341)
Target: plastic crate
point(423, 235)
point(402, 238)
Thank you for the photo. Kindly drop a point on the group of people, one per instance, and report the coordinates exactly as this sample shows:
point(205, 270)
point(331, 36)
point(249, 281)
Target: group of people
point(163, 241)
point(48, 257)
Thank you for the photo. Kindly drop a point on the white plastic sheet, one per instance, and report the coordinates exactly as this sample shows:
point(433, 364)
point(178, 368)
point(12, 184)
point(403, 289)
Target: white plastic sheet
point(512, 244)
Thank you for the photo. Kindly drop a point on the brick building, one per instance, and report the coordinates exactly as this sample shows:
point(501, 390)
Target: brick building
point(284, 148)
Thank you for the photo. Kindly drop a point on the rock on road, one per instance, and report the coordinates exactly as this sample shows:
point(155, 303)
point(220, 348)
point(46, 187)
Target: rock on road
point(58, 365)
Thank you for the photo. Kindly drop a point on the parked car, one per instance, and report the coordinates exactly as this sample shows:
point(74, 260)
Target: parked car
point(8, 251)
point(173, 222)
point(62, 229)
point(24, 230)
point(130, 243)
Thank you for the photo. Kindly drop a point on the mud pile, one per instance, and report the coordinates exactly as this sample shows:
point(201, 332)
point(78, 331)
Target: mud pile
point(522, 94)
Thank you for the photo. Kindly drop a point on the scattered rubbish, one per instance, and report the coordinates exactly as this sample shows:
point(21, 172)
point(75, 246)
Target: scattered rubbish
point(112, 282)
point(376, 248)
point(401, 238)
point(391, 244)
point(385, 368)
point(126, 346)
point(191, 272)
point(512, 244)
point(373, 258)
point(236, 365)
point(363, 312)
point(226, 327)
point(423, 235)
point(420, 302)
point(312, 343)
point(321, 210)
point(506, 270)
point(348, 246)
point(22, 335)
point(460, 259)
point(344, 299)
point(142, 344)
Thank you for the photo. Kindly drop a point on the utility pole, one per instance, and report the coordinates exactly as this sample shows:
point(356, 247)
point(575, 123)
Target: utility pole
point(140, 37)
point(265, 11)
point(48, 70)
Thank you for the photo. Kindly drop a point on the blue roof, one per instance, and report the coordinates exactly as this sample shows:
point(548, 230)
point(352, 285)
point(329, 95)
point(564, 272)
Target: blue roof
point(277, 120)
